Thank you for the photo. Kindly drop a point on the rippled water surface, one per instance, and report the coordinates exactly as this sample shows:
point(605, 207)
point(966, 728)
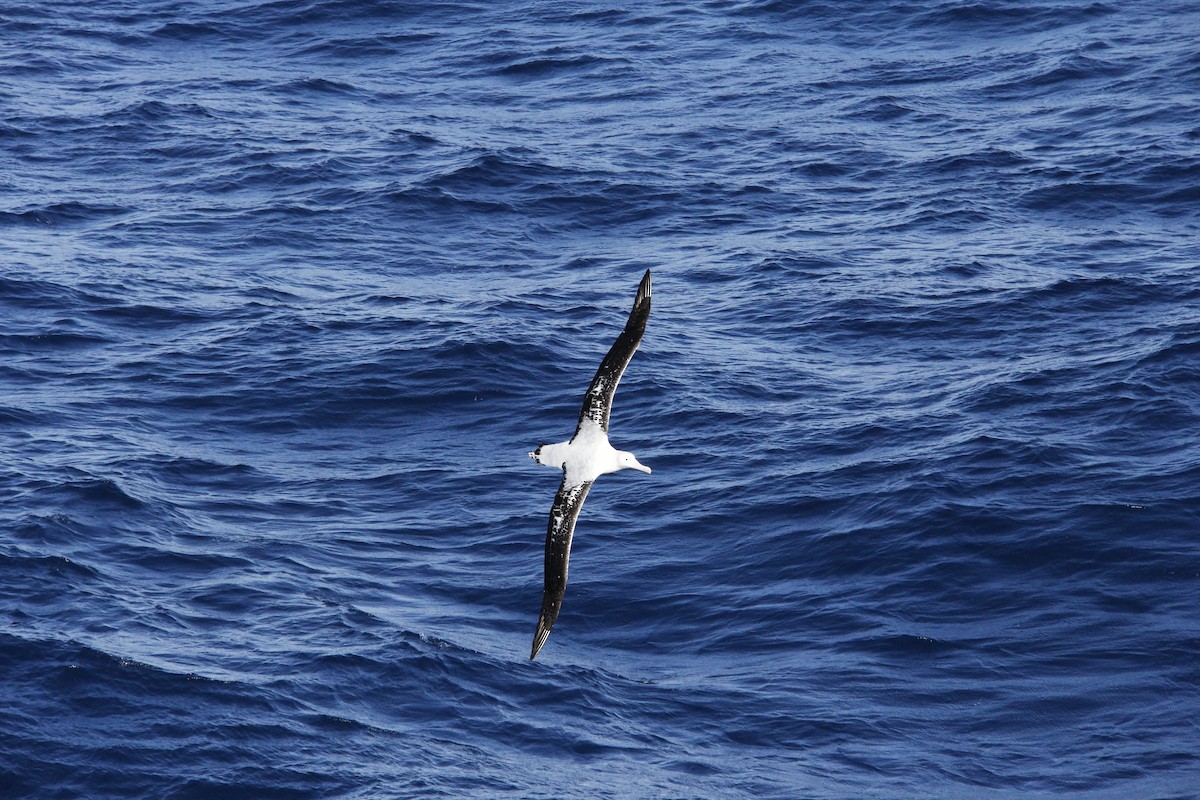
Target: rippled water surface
point(288, 290)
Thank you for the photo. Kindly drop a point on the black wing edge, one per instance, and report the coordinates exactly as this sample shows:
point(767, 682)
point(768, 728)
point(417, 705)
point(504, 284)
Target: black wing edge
point(597, 402)
point(563, 514)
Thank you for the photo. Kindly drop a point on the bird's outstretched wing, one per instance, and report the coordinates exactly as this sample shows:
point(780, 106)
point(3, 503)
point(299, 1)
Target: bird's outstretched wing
point(597, 403)
point(563, 514)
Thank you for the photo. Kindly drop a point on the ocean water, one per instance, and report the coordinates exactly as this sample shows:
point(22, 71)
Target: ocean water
point(288, 289)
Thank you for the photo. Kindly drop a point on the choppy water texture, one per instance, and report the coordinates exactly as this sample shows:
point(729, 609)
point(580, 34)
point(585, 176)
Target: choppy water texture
point(289, 288)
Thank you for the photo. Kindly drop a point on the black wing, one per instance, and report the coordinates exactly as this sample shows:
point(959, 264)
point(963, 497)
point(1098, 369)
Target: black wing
point(563, 514)
point(597, 403)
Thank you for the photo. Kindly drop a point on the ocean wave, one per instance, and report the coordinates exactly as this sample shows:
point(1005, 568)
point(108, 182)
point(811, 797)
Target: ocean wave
point(63, 214)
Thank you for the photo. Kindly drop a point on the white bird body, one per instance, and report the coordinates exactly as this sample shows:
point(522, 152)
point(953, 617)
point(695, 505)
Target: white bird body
point(586, 456)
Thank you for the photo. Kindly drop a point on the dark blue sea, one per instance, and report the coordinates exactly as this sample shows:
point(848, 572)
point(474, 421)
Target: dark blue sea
point(289, 289)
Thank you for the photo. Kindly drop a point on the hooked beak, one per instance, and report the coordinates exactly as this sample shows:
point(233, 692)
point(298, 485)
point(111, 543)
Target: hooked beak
point(638, 465)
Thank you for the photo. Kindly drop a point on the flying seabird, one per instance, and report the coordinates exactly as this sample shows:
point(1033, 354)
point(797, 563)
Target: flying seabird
point(587, 456)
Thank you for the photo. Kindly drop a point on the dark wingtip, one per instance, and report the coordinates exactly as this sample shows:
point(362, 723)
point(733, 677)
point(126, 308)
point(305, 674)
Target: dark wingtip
point(643, 292)
point(539, 638)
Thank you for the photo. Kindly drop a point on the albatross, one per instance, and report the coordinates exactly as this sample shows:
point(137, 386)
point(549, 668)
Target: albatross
point(585, 457)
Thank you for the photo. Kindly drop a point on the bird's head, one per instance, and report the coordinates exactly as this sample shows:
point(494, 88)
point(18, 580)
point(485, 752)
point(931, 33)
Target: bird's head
point(627, 460)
